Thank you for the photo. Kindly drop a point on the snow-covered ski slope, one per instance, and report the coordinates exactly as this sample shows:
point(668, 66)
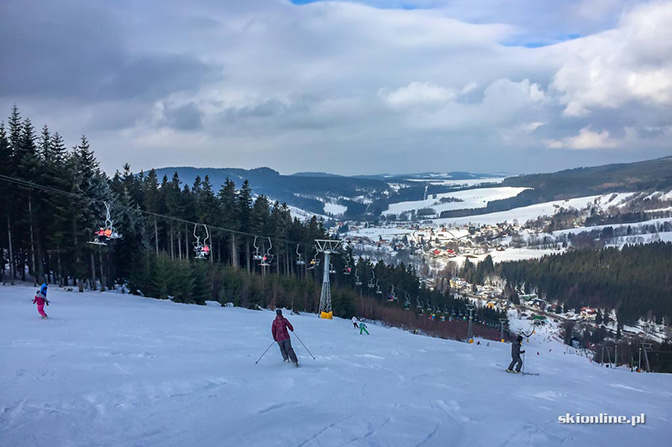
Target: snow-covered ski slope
point(115, 370)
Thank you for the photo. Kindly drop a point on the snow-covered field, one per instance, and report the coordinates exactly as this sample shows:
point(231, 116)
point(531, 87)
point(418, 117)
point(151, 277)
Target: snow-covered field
point(523, 214)
point(305, 215)
point(116, 370)
point(656, 222)
point(469, 199)
point(464, 182)
point(377, 232)
point(334, 208)
point(510, 254)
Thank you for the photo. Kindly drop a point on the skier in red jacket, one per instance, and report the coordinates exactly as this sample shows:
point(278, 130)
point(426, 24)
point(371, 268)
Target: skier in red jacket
point(281, 336)
point(40, 299)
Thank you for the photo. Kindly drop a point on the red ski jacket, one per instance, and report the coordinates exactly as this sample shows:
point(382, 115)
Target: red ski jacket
point(39, 299)
point(279, 328)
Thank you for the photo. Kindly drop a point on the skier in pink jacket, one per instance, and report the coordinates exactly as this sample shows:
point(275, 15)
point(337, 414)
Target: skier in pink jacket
point(40, 299)
point(281, 336)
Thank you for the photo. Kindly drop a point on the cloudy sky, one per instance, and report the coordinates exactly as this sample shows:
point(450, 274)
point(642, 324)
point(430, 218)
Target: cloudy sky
point(348, 87)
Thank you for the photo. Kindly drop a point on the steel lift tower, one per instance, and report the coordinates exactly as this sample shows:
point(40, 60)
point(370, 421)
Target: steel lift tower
point(328, 247)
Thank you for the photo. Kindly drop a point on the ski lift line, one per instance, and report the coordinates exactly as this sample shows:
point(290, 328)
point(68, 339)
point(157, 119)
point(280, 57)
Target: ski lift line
point(32, 185)
point(375, 282)
point(29, 184)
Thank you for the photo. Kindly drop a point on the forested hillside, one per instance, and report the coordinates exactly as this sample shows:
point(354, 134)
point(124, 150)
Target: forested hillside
point(649, 175)
point(635, 281)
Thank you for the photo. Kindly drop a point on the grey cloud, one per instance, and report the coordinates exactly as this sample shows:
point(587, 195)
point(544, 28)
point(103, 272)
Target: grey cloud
point(267, 80)
point(184, 117)
point(537, 22)
point(78, 50)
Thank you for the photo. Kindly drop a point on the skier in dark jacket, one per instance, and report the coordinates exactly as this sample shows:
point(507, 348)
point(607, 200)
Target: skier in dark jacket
point(281, 336)
point(515, 354)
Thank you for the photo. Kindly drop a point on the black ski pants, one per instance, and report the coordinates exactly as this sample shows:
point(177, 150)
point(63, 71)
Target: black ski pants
point(518, 362)
point(287, 351)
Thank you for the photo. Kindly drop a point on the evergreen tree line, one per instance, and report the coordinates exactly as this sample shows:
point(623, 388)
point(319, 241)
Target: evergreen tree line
point(53, 199)
point(635, 281)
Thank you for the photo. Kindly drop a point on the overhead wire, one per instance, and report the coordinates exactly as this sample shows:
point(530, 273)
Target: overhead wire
point(33, 185)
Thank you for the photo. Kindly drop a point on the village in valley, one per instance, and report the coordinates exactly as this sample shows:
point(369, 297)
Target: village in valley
point(438, 252)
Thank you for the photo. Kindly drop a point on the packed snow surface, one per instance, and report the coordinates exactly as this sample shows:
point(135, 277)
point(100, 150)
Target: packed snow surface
point(531, 212)
point(334, 208)
point(115, 370)
point(468, 199)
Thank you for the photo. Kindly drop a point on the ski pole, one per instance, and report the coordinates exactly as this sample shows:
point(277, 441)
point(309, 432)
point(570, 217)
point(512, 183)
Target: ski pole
point(297, 337)
point(269, 347)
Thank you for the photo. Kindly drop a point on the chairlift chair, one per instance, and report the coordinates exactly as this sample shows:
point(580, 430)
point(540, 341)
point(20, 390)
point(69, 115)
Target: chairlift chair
point(392, 296)
point(378, 291)
point(98, 237)
point(315, 262)
point(347, 269)
point(372, 283)
point(256, 255)
point(358, 282)
point(267, 259)
point(110, 231)
point(201, 250)
point(299, 258)
point(106, 233)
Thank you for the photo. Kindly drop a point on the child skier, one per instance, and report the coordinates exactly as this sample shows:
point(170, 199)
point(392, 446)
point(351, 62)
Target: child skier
point(515, 354)
point(354, 322)
point(281, 336)
point(362, 328)
point(41, 299)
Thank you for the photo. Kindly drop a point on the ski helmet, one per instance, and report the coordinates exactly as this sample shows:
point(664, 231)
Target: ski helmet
point(520, 338)
point(278, 311)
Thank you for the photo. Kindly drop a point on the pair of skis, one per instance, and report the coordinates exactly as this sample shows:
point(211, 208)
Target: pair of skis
point(522, 373)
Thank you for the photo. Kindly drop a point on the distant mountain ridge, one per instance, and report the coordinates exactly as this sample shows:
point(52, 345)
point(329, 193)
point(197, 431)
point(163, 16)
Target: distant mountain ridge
point(648, 175)
point(365, 197)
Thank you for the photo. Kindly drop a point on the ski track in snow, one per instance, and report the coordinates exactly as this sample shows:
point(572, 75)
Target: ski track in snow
point(117, 370)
